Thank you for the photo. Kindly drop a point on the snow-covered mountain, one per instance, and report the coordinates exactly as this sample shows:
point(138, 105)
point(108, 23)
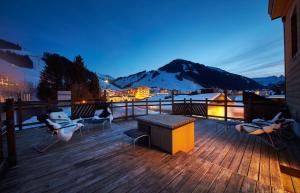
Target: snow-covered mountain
point(186, 75)
point(21, 74)
point(270, 80)
point(106, 82)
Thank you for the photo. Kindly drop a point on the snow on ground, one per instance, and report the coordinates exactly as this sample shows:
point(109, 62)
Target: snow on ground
point(21, 74)
point(209, 96)
point(162, 80)
point(168, 81)
point(119, 109)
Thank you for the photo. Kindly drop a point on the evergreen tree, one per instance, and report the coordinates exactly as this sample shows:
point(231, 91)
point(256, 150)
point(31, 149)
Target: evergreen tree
point(61, 74)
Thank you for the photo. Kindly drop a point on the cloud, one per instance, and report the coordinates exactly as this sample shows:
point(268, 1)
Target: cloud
point(257, 58)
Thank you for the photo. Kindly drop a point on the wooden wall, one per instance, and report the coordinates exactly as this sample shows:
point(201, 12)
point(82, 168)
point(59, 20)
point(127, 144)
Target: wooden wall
point(292, 64)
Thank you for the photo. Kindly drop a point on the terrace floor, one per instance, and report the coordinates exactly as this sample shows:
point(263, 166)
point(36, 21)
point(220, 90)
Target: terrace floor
point(103, 160)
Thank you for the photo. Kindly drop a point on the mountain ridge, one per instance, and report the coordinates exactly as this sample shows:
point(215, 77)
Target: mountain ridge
point(187, 75)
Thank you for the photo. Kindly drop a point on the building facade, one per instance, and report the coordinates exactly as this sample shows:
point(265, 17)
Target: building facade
point(289, 12)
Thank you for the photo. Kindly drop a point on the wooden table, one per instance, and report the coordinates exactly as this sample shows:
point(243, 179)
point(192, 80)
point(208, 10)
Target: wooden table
point(171, 133)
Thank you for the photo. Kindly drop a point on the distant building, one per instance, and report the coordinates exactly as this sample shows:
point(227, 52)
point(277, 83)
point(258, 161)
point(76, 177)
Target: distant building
point(264, 92)
point(289, 12)
point(140, 92)
point(64, 95)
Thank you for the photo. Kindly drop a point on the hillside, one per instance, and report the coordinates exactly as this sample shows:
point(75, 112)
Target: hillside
point(21, 72)
point(270, 80)
point(186, 75)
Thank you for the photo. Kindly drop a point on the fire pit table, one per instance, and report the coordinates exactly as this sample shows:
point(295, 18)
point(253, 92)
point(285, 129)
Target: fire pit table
point(170, 133)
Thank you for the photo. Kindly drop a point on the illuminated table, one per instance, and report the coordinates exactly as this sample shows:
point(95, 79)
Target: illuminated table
point(171, 133)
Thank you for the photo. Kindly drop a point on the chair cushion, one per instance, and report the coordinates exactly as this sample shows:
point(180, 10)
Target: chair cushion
point(250, 129)
point(59, 117)
point(53, 124)
point(98, 112)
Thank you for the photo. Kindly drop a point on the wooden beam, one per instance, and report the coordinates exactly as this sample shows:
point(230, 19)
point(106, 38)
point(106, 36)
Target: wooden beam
point(11, 136)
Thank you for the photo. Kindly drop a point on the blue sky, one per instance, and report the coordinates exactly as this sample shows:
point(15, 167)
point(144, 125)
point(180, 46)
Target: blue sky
point(121, 37)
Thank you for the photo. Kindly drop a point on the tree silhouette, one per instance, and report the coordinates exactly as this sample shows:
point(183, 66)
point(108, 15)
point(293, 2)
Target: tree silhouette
point(62, 74)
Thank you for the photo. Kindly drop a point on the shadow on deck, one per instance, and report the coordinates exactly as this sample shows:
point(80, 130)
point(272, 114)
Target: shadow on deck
point(103, 160)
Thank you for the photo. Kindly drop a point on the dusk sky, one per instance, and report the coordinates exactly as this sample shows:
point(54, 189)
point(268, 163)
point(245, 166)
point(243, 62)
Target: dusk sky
point(121, 37)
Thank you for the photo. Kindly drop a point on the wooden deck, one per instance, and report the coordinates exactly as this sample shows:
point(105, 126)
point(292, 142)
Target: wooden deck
point(103, 160)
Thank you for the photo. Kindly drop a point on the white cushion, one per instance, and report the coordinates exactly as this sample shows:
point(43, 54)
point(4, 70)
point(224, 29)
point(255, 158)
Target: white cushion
point(276, 117)
point(66, 133)
point(53, 124)
point(249, 128)
point(98, 112)
point(59, 117)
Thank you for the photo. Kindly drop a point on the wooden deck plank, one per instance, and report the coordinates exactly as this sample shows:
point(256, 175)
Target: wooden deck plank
point(103, 160)
point(275, 170)
point(208, 179)
point(221, 181)
point(286, 179)
point(195, 178)
point(262, 188)
point(235, 183)
point(264, 175)
point(248, 185)
point(245, 162)
point(253, 172)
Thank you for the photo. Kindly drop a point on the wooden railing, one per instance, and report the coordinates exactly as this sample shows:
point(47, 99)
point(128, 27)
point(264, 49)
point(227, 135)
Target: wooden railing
point(18, 111)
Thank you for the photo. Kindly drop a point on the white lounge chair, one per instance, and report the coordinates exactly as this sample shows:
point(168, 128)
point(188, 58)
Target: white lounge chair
point(62, 131)
point(268, 122)
point(62, 118)
point(266, 133)
point(101, 117)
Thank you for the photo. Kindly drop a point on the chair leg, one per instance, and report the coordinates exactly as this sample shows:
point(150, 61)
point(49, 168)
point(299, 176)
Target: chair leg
point(80, 131)
point(41, 150)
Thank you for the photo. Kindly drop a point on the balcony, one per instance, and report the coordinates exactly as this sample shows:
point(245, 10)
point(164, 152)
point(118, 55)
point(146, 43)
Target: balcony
point(104, 160)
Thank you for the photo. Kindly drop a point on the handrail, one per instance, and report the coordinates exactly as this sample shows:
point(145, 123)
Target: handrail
point(20, 107)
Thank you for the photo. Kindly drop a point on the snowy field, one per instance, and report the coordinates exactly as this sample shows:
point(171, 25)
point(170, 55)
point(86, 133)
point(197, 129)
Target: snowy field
point(119, 109)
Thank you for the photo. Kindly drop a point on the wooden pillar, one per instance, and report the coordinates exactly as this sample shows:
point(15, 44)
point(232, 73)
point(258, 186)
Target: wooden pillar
point(225, 104)
point(159, 106)
point(172, 102)
point(147, 107)
point(132, 107)
point(206, 107)
point(250, 106)
point(126, 109)
point(185, 108)
point(105, 95)
point(111, 107)
point(11, 135)
point(1, 139)
point(19, 116)
point(191, 106)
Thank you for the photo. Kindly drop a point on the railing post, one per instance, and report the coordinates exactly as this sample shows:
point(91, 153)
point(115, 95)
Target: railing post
point(159, 106)
point(191, 106)
point(225, 105)
point(126, 109)
point(147, 108)
point(132, 107)
point(111, 107)
point(19, 116)
point(172, 102)
point(250, 106)
point(1, 139)
point(11, 136)
point(206, 107)
point(185, 109)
